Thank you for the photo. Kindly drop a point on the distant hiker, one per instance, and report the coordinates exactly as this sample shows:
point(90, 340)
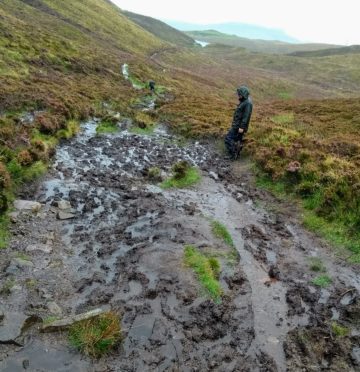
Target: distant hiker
point(152, 85)
point(240, 124)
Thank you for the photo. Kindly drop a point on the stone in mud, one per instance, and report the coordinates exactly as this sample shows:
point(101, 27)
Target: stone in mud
point(39, 247)
point(65, 323)
point(213, 175)
point(54, 308)
point(355, 356)
point(20, 262)
point(274, 272)
point(27, 205)
point(63, 205)
point(64, 215)
point(13, 324)
point(13, 216)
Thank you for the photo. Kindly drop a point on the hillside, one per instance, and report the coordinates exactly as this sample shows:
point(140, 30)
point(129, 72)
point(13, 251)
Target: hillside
point(353, 49)
point(256, 45)
point(161, 30)
point(58, 64)
point(234, 28)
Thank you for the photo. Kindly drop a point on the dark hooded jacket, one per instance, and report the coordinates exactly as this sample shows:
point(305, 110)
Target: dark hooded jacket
point(243, 112)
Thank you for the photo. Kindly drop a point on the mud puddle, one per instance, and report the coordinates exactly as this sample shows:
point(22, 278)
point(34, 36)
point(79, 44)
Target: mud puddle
point(120, 246)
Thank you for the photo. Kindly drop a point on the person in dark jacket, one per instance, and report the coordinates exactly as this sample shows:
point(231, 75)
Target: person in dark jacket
point(152, 85)
point(240, 122)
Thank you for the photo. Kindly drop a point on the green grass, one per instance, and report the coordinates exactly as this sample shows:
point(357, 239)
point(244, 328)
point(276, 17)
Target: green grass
point(50, 319)
point(192, 177)
point(4, 230)
point(334, 232)
point(285, 95)
point(207, 270)
point(220, 231)
point(322, 281)
point(286, 118)
point(72, 128)
point(106, 127)
point(97, 336)
point(339, 330)
point(147, 131)
point(316, 264)
point(6, 287)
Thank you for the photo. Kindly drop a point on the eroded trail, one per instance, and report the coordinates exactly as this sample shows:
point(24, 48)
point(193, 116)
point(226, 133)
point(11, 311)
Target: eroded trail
point(106, 237)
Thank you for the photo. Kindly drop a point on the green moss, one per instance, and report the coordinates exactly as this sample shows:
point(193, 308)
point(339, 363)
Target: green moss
point(147, 131)
point(192, 177)
point(106, 127)
point(339, 330)
point(207, 270)
point(97, 336)
point(322, 281)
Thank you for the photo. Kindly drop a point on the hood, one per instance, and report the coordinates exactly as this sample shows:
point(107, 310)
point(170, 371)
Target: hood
point(243, 91)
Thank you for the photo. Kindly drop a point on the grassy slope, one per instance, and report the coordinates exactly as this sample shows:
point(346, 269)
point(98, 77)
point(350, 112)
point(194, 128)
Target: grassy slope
point(329, 52)
point(262, 46)
point(161, 30)
point(63, 59)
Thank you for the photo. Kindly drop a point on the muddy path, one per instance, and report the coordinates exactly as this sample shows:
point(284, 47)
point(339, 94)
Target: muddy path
point(104, 236)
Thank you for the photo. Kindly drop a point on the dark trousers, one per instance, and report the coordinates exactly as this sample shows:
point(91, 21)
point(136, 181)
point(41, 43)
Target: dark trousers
point(233, 142)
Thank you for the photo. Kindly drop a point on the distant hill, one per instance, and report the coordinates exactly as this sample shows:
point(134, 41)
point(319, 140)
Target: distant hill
point(262, 46)
point(160, 29)
point(352, 49)
point(238, 29)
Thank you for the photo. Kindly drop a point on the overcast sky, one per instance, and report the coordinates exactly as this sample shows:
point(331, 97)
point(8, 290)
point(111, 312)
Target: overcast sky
point(329, 21)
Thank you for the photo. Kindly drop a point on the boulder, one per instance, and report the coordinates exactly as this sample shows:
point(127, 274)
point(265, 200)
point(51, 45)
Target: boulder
point(59, 325)
point(26, 205)
point(12, 326)
point(61, 215)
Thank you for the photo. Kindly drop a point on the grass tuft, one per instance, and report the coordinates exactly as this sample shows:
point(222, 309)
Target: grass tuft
point(207, 270)
point(316, 264)
point(322, 281)
point(191, 177)
point(97, 336)
point(220, 231)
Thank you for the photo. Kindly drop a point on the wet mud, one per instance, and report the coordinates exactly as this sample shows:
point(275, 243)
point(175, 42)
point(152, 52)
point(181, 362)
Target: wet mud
point(106, 236)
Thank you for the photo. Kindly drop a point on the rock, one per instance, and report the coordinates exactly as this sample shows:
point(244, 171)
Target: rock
point(54, 308)
point(39, 247)
point(63, 205)
point(2, 315)
point(59, 325)
point(28, 205)
point(12, 326)
point(64, 215)
point(26, 363)
point(20, 262)
point(13, 216)
point(274, 272)
point(355, 355)
point(213, 175)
